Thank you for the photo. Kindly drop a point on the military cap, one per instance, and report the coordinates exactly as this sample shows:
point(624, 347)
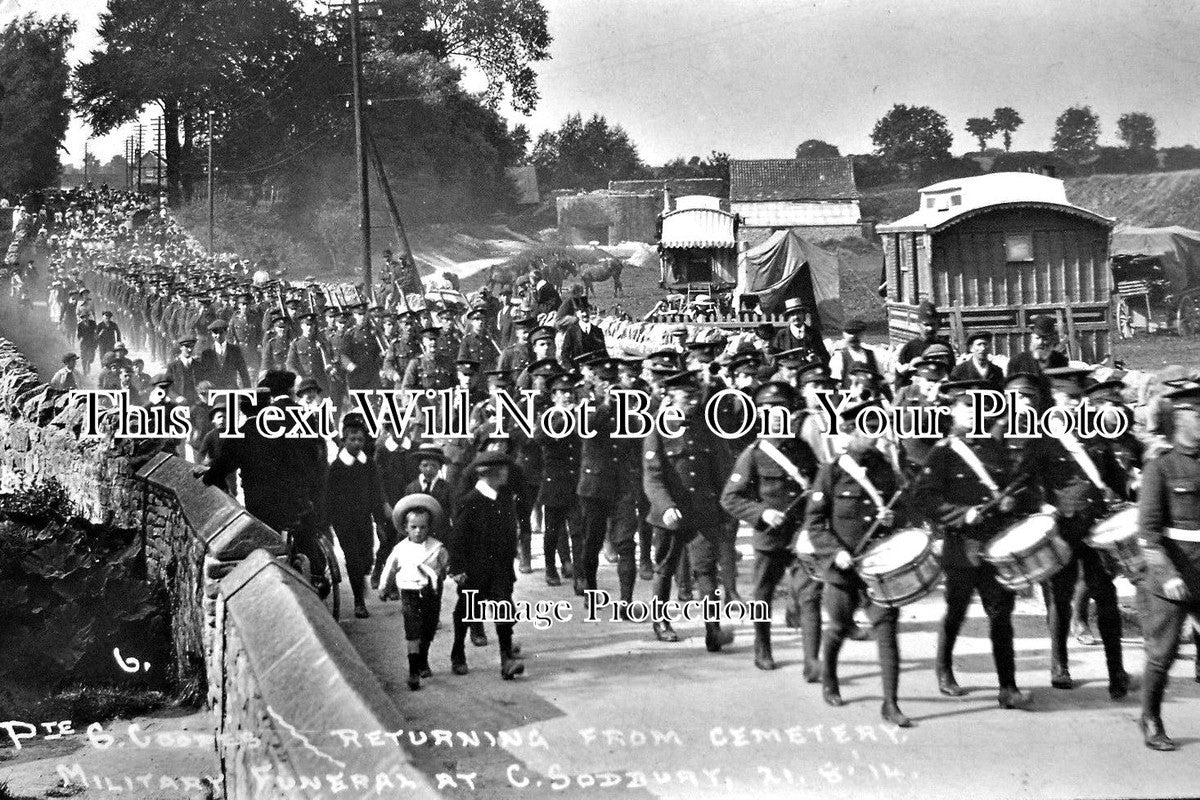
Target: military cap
point(939, 351)
point(428, 451)
point(1067, 379)
point(851, 412)
point(957, 389)
point(501, 376)
point(186, 341)
point(431, 332)
point(854, 326)
point(775, 393)
point(311, 316)
point(490, 459)
point(1043, 325)
point(308, 385)
point(542, 332)
point(161, 379)
point(790, 358)
point(663, 361)
point(748, 363)
point(1186, 397)
point(684, 379)
point(863, 368)
point(545, 367)
point(277, 318)
point(468, 366)
point(604, 367)
point(356, 307)
point(630, 364)
point(292, 301)
point(278, 381)
point(931, 367)
point(332, 311)
point(1109, 390)
point(590, 358)
point(218, 324)
point(476, 313)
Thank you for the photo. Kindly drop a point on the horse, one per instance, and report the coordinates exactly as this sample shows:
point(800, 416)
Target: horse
point(597, 273)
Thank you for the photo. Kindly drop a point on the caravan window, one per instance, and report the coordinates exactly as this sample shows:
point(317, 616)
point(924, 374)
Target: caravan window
point(1018, 247)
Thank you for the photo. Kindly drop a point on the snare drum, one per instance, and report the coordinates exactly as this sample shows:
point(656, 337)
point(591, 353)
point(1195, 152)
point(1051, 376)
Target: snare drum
point(806, 554)
point(901, 569)
point(1028, 552)
point(1117, 536)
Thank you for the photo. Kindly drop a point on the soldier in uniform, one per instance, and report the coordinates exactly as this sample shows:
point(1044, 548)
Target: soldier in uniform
point(541, 342)
point(560, 476)
point(476, 345)
point(361, 355)
point(426, 370)
point(1080, 478)
point(683, 478)
point(765, 492)
point(306, 354)
point(335, 335)
point(918, 401)
point(599, 479)
point(849, 499)
point(518, 355)
point(276, 343)
point(971, 490)
point(1169, 523)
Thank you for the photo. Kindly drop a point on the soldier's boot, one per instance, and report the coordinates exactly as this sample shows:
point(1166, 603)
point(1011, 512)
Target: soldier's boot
point(727, 565)
point(524, 561)
point(458, 651)
point(425, 670)
point(478, 634)
point(1153, 688)
point(564, 555)
point(714, 637)
point(762, 646)
point(1108, 621)
point(810, 628)
point(510, 665)
point(889, 663)
point(626, 577)
point(830, 690)
point(684, 577)
point(944, 668)
point(645, 562)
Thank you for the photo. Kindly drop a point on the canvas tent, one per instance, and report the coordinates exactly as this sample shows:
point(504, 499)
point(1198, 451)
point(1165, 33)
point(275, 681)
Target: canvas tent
point(787, 266)
point(1176, 248)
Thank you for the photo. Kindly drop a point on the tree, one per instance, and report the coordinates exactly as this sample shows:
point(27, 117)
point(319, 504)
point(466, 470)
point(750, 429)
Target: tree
point(815, 148)
point(1007, 120)
point(585, 155)
point(1076, 131)
point(912, 136)
point(34, 107)
point(982, 129)
point(1138, 131)
point(500, 37)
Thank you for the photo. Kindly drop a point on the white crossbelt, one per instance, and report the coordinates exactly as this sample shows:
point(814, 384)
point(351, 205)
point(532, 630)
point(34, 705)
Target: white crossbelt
point(968, 455)
point(1072, 446)
point(1180, 535)
point(783, 461)
point(859, 473)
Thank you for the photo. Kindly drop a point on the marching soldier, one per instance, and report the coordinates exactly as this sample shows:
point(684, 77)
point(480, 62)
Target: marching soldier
point(476, 345)
point(276, 343)
point(361, 355)
point(306, 354)
point(1169, 522)
point(599, 480)
point(765, 491)
point(683, 479)
point(426, 371)
point(560, 476)
point(849, 498)
point(1080, 478)
point(971, 490)
point(519, 355)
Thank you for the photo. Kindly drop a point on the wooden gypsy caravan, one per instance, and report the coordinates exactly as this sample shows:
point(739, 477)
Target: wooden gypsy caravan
point(698, 243)
point(993, 251)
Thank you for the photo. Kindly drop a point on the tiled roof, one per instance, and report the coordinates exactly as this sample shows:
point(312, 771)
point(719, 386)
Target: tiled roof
point(792, 179)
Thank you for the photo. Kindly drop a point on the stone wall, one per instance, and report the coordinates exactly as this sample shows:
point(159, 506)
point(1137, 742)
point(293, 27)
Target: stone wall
point(274, 661)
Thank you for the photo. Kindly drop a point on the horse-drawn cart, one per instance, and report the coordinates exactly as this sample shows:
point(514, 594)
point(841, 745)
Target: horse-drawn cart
point(1156, 279)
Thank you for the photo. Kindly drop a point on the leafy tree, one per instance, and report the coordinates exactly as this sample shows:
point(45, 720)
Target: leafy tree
point(715, 166)
point(586, 154)
point(34, 107)
point(1007, 120)
point(815, 148)
point(912, 136)
point(1138, 131)
point(1076, 131)
point(982, 129)
point(500, 37)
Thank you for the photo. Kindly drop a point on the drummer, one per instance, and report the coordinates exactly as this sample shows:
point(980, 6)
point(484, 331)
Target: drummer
point(849, 496)
point(768, 479)
point(1081, 479)
point(971, 490)
point(1169, 519)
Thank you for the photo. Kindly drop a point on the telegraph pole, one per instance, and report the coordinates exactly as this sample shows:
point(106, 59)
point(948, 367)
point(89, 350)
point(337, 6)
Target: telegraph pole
point(158, 159)
point(85, 163)
point(210, 182)
point(364, 200)
point(141, 130)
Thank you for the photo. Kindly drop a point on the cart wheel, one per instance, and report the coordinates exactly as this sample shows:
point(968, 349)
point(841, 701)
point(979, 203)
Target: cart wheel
point(1187, 323)
point(1124, 319)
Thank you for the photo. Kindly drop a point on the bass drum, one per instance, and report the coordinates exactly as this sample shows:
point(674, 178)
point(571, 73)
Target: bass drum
point(901, 569)
point(1028, 552)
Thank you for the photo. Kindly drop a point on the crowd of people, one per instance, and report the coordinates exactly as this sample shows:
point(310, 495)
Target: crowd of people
point(410, 510)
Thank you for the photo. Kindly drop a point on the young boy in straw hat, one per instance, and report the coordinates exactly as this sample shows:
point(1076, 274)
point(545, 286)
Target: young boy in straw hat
point(417, 568)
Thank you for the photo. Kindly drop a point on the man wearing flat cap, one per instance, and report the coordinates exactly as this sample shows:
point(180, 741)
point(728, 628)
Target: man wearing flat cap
point(223, 364)
point(184, 370)
point(582, 336)
point(979, 366)
point(1042, 353)
point(930, 323)
point(852, 353)
point(66, 378)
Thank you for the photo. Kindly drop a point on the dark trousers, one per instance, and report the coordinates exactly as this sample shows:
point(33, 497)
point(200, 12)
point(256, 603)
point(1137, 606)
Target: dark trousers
point(727, 558)
point(645, 531)
point(1099, 586)
point(594, 516)
point(701, 546)
point(504, 630)
point(524, 508)
point(841, 601)
point(1162, 621)
point(998, 603)
point(559, 524)
point(421, 610)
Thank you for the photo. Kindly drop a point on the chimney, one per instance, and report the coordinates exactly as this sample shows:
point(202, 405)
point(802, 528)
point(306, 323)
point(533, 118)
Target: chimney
point(666, 197)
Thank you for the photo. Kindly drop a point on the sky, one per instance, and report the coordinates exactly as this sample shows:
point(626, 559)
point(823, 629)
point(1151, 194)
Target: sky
point(756, 77)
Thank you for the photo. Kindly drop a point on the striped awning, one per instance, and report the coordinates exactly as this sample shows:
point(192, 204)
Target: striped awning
point(698, 227)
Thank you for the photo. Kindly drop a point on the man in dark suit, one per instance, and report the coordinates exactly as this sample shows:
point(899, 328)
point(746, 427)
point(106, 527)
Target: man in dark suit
point(546, 298)
point(799, 333)
point(1041, 354)
point(979, 366)
point(583, 336)
point(931, 322)
point(224, 365)
point(184, 370)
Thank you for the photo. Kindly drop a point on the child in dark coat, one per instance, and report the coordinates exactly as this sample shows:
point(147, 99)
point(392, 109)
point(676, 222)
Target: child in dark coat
point(355, 496)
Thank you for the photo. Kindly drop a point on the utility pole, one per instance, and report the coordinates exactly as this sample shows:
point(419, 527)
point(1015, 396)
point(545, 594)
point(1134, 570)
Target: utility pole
point(158, 159)
point(210, 182)
point(364, 199)
point(129, 163)
point(141, 130)
point(85, 163)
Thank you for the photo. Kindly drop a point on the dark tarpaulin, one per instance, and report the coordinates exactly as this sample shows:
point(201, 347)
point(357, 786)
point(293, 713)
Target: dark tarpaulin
point(787, 266)
point(1177, 249)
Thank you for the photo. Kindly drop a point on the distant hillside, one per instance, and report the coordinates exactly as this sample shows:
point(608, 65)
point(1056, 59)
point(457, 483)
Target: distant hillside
point(1152, 200)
